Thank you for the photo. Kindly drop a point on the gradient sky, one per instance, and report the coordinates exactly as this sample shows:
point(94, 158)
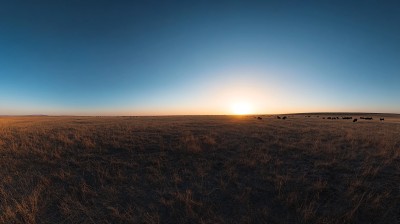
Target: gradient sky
point(93, 57)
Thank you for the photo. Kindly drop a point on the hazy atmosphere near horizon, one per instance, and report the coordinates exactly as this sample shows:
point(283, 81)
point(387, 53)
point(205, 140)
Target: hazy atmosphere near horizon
point(198, 57)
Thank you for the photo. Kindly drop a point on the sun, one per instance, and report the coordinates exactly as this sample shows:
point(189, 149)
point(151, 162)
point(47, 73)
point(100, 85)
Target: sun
point(241, 108)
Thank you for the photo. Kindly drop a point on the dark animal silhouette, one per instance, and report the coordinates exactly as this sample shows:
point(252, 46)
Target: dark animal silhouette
point(284, 117)
point(366, 118)
point(259, 118)
point(355, 120)
point(278, 117)
point(382, 119)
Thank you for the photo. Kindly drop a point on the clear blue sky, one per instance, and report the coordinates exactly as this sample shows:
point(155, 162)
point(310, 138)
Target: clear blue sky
point(198, 57)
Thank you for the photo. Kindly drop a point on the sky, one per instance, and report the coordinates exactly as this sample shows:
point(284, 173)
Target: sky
point(97, 57)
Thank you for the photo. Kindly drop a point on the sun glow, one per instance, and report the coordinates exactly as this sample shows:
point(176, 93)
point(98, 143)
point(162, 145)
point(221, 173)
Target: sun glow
point(241, 108)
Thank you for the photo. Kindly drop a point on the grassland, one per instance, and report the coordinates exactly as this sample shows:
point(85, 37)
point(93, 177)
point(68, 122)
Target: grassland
point(199, 169)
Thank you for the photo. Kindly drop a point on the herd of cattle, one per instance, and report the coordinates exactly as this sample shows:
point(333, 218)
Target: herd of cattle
point(278, 117)
point(332, 118)
point(355, 119)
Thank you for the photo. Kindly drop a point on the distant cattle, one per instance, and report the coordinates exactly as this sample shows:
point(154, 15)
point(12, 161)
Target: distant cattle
point(366, 118)
point(347, 118)
point(382, 119)
point(323, 117)
point(355, 120)
point(329, 118)
point(259, 118)
point(284, 117)
point(278, 117)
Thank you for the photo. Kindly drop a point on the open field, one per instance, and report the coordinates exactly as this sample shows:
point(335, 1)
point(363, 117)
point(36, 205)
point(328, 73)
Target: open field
point(200, 169)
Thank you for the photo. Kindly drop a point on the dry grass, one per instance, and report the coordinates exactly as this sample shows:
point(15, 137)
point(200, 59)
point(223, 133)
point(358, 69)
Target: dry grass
point(199, 169)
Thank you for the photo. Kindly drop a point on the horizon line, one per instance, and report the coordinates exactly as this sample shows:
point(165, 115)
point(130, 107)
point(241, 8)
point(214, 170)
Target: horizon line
point(172, 115)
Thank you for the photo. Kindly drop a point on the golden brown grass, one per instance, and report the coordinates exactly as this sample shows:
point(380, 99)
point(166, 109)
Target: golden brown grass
point(199, 169)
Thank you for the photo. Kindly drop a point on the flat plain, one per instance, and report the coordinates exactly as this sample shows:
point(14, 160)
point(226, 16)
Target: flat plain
point(200, 169)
